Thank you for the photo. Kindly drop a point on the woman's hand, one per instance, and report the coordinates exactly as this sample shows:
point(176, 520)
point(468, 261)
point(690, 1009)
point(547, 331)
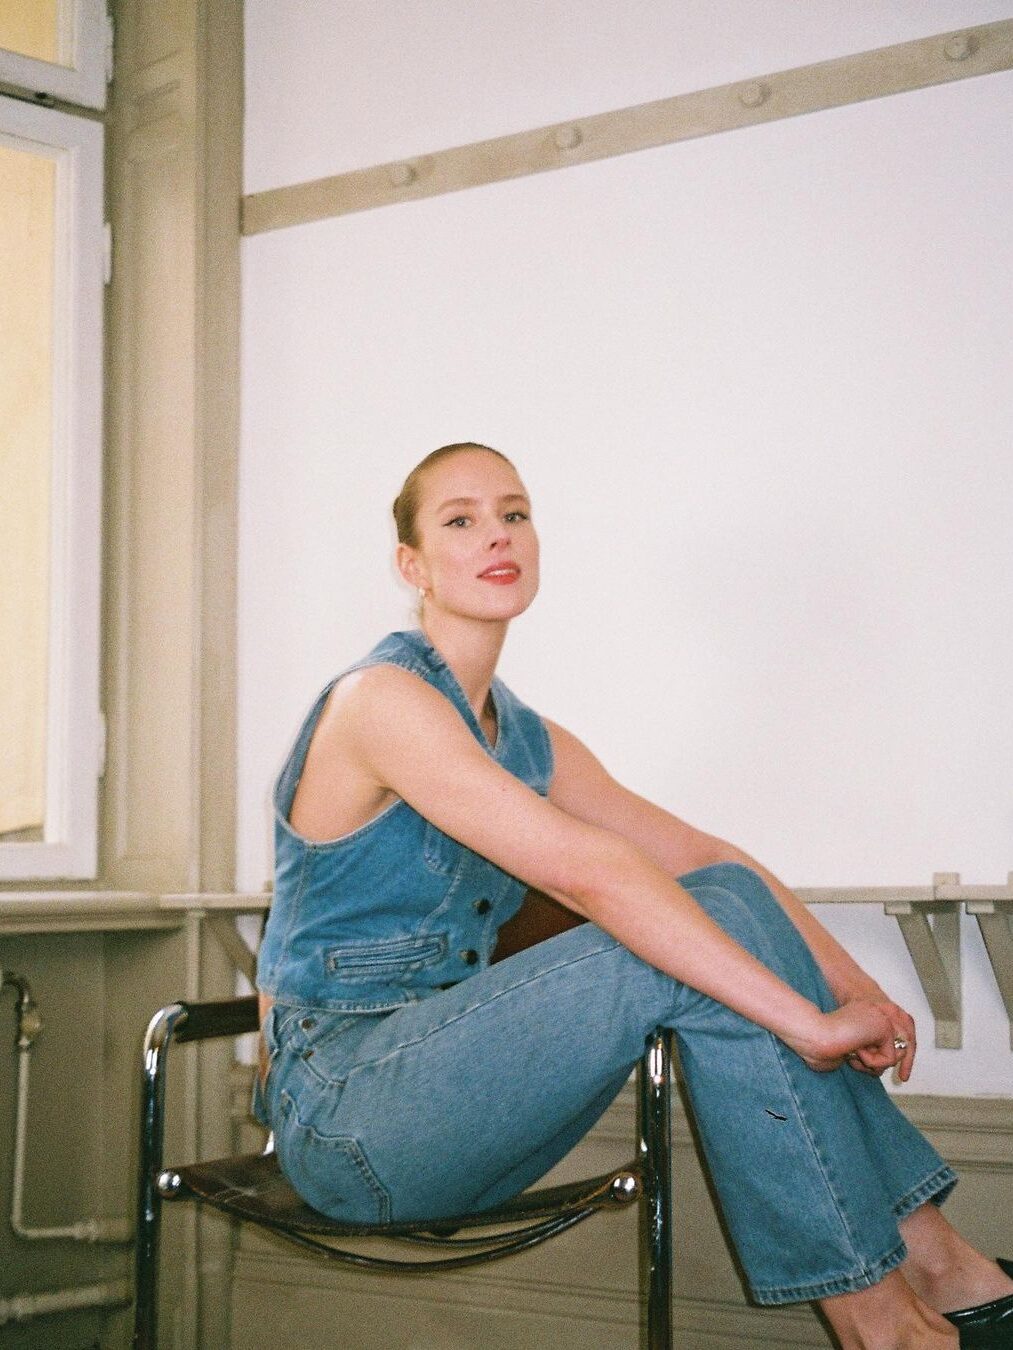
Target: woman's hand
point(903, 1030)
point(861, 1033)
point(862, 988)
point(859, 987)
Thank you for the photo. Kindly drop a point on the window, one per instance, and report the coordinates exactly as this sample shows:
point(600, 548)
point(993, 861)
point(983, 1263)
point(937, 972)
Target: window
point(56, 47)
point(51, 284)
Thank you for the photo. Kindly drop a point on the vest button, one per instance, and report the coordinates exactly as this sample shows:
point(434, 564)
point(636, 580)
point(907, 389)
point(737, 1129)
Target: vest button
point(469, 957)
point(482, 906)
point(308, 1023)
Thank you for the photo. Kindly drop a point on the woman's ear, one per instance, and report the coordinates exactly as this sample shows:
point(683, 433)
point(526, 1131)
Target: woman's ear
point(408, 565)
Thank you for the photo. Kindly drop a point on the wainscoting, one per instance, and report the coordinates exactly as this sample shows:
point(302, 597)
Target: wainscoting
point(580, 1290)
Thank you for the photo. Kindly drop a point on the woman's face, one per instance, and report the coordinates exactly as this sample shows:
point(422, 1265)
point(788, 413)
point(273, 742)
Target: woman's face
point(477, 551)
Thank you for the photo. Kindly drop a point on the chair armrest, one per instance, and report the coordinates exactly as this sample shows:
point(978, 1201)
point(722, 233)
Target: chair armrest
point(227, 1017)
point(174, 1022)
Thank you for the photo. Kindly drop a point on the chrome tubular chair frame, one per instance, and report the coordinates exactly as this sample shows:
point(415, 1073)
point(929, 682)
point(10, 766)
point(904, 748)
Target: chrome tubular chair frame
point(528, 1220)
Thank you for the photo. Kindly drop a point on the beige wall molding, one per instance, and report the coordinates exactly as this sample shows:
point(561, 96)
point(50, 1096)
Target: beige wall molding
point(175, 151)
point(898, 69)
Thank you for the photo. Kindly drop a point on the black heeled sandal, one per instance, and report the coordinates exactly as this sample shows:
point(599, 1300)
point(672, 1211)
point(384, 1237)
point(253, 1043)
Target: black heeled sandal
point(987, 1326)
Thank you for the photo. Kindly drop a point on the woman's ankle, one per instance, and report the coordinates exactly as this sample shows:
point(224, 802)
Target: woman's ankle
point(944, 1270)
point(887, 1316)
point(964, 1285)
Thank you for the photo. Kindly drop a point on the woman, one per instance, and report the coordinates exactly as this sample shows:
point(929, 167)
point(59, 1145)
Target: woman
point(406, 1075)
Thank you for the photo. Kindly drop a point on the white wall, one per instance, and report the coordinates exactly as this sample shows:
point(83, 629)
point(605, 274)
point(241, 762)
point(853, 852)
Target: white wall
point(759, 385)
point(333, 85)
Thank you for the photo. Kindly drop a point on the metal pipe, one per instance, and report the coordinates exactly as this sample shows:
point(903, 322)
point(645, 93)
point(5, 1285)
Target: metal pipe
point(149, 1202)
point(654, 1094)
point(29, 1021)
point(23, 1307)
point(85, 1230)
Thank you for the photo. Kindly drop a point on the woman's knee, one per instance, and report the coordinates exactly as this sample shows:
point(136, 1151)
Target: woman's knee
point(742, 903)
point(732, 879)
point(738, 899)
point(733, 876)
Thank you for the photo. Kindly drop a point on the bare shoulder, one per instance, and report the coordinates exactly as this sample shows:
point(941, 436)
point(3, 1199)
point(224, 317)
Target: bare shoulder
point(381, 700)
point(383, 720)
point(346, 779)
point(389, 733)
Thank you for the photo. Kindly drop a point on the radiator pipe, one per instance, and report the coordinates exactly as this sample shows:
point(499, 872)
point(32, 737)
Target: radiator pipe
point(23, 1307)
point(85, 1230)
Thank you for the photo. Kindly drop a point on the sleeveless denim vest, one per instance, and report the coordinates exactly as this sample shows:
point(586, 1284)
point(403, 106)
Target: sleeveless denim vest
point(395, 910)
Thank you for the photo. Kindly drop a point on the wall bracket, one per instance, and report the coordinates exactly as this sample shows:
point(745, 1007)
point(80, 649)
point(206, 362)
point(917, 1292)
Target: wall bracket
point(995, 920)
point(931, 930)
point(930, 926)
point(223, 926)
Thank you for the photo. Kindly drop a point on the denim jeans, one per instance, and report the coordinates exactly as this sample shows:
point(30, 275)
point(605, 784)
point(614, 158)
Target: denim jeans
point(461, 1100)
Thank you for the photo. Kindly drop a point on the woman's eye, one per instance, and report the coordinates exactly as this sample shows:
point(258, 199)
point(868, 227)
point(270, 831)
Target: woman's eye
point(457, 520)
point(512, 517)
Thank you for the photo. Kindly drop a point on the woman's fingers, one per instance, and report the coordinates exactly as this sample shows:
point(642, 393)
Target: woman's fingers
point(879, 1058)
point(855, 1028)
point(904, 1039)
point(894, 1051)
point(906, 1042)
point(869, 1036)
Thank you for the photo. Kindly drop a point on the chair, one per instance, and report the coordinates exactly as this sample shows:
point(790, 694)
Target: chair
point(252, 1187)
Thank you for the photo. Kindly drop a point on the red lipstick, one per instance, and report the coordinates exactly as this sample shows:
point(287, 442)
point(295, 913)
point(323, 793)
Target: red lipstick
point(501, 573)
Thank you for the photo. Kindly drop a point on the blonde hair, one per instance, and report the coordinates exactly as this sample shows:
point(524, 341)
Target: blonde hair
point(406, 503)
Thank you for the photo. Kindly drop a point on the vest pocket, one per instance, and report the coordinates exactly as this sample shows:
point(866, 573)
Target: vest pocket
point(389, 959)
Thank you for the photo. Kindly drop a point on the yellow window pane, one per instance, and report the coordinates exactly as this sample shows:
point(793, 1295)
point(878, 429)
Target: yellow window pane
point(32, 28)
point(27, 239)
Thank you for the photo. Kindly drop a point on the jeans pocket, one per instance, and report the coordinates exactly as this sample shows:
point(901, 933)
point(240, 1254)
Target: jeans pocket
point(330, 1172)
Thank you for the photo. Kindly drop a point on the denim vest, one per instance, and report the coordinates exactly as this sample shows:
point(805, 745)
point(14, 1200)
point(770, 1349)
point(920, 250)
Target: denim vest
point(395, 910)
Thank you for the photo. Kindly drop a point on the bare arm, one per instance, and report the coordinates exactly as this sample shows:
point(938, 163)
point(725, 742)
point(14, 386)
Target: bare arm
point(584, 788)
point(407, 737)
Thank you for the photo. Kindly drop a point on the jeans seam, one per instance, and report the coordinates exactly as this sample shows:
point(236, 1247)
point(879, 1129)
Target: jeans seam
point(816, 1151)
point(488, 1002)
point(349, 1146)
point(806, 1127)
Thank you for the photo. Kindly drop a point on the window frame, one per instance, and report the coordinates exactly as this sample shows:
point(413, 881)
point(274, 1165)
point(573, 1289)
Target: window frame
point(85, 32)
point(74, 724)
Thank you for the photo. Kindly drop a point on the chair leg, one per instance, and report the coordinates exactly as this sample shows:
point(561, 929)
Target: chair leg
point(654, 1089)
point(149, 1200)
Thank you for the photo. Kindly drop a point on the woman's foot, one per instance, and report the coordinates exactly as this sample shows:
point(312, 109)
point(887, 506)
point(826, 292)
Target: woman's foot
point(887, 1316)
point(987, 1326)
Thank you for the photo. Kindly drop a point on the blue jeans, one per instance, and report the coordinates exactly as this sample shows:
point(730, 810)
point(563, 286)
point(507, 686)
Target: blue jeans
point(461, 1100)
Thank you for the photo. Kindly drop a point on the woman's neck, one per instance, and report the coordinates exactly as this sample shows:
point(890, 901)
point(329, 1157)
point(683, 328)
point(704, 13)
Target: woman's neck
point(471, 649)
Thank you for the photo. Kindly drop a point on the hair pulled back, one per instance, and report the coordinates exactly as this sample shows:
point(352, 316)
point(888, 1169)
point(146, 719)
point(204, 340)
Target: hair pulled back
point(406, 503)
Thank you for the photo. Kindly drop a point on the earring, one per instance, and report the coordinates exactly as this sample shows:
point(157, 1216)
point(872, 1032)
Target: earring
point(422, 594)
